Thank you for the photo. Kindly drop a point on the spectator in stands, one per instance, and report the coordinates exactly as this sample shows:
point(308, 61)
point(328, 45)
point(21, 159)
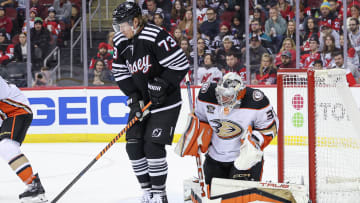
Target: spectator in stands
point(265, 39)
point(33, 15)
point(75, 14)
point(286, 60)
point(310, 28)
point(102, 55)
point(288, 45)
point(266, 75)
point(186, 25)
point(177, 34)
point(20, 50)
point(185, 46)
point(151, 9)
point(307, 60)
point(328, 17)
point(7, 3)
point(41, 9)
point(352, 56)
point(291, 31)
point(210, 27)
point(237, 27)
point(99, 74)
point(355, 13)
point(275, 27)
point(208, 72)
point(352, 72)
point(226, 47)
point(159, 21)
point(63, 10)
point(40, 38)
point(6, 48)
point(218, 40)
point(165, 5)
point(334, 6)
point(327, 51)
point(52, 24)
point(110, 42)
point(326, 30)
point(285, 10)
point(258, 15)
point(233, 65)
point(177, 13)
point(354, 34)
point(5, 23)
point(256, 50)
point(201, 9)
point(318, 65)
point(42, 78)
point(265, 5)
point(201, 51)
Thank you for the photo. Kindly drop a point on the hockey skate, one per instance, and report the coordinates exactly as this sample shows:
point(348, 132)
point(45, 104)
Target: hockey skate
point(146, 198)
point(35, 192)
point(159, 197)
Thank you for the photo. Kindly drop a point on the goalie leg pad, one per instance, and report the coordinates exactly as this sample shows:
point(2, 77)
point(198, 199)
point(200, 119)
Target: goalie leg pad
point(253, 174)
point(197, 134)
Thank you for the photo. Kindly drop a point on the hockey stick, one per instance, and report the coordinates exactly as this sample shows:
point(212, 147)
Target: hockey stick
point(198, 157)
point(129, 125)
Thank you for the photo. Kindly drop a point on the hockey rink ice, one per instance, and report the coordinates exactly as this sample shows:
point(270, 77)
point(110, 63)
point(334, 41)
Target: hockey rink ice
point(109, 180)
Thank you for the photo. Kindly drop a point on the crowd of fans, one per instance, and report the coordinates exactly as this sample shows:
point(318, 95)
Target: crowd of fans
point(49, 26)
point(221, 35)
point(220, 29)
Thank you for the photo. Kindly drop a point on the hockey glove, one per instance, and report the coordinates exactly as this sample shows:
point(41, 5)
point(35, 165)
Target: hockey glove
point(157, 91)
point(136, 105)
point(250, 150)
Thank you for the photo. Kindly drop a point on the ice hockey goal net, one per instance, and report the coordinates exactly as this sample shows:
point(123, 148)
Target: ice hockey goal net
point(319, 134)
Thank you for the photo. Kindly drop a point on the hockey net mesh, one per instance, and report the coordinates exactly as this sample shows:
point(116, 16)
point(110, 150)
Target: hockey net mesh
point(337, 126)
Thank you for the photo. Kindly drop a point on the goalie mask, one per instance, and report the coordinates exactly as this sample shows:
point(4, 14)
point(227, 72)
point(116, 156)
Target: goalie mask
point(125, 13)
point(229, 91)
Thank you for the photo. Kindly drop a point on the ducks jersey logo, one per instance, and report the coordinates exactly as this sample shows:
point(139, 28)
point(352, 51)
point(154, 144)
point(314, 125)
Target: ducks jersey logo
point(226, 129)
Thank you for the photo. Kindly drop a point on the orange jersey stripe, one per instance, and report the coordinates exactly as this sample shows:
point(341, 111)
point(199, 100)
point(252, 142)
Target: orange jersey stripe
point(11, 108)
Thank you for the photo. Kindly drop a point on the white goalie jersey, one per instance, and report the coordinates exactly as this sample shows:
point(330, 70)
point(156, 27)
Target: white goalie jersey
point(255, 110)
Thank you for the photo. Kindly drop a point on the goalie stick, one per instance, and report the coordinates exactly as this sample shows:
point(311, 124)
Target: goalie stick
point(129, 125)
point(198, 157)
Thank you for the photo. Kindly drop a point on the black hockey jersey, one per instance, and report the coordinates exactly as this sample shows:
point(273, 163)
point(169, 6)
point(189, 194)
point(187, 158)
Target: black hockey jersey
point(228, 129)
point(150, 53)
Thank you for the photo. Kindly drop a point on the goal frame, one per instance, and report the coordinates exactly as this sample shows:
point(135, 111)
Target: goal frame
point(311, 126)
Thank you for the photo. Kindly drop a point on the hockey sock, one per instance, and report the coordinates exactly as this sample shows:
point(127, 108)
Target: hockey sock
point(20, 164)
point(139, 162)
point(11, 153)
point(156, 157)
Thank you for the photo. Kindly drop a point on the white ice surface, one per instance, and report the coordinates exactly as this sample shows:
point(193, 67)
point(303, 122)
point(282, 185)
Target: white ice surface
point(109, 180)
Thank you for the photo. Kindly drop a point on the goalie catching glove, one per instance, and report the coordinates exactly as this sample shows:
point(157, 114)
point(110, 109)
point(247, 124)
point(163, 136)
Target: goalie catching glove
point(158, 91)
point(251, 150)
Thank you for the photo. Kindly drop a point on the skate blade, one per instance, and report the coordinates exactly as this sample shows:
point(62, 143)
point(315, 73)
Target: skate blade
point(38, 199)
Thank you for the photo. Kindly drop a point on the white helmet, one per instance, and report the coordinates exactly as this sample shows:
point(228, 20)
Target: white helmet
point(230, 90)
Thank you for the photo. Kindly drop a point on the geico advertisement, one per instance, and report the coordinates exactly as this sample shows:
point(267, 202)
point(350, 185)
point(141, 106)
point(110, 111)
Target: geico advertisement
point(105, 111)
point(80, 111)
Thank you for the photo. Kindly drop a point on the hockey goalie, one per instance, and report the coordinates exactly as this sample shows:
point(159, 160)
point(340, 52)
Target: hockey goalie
point(231, 124)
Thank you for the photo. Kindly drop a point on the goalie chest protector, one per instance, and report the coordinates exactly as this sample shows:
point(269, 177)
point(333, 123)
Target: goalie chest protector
point(255, 110)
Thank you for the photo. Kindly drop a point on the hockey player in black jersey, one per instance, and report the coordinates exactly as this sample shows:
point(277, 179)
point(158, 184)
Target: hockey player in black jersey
point(243, 123)
point(148, 66)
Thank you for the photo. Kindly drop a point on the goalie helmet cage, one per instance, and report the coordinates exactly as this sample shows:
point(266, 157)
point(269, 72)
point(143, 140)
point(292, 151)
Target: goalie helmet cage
point(318, 137)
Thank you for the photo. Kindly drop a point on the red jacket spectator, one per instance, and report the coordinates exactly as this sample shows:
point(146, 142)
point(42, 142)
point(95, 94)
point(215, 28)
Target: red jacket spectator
point(6, 49)
point(103, 55)
point(5, 22)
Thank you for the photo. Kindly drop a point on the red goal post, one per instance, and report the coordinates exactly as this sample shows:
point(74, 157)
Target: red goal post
point(319, 134)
